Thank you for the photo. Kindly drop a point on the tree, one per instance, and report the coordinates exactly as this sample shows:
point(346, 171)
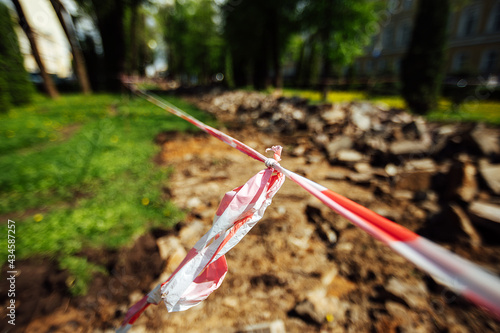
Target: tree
point(15, 88)
point(422, 68)
point(256, 34)
point(174, 21)
point(49, 85)
point(108, 16)
point(78, 59)
point(193, 43)
point(138, 35)
point(339, 28)
point(304, 51)
point(133, 27)
point(94, 62)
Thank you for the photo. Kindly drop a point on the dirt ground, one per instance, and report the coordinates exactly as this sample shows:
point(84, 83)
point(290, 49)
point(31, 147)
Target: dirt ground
point(302, 268)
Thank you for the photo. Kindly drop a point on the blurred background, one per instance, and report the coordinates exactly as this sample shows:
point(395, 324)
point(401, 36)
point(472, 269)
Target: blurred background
point(392, 103)
point(292, 44)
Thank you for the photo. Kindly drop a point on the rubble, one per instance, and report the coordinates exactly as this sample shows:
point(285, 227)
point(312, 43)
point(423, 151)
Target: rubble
point(415, 295)
point(486, 214)
point(276, 326)
point(307, 312)
point(406, 147)
point(360, 115)
point(387, 150)
point(337, 144)
point(336, 115)
point(491, 175)
point(360, 178)
point(323, 228)
point(450, 225)
point(466, 225)
point(348, 156)
point(419, 180)
point(486, 211)
point(486, 139)
point(192, 232)
point(364, 168)
point(172, 251)
point(425, 164)
point(462, 183)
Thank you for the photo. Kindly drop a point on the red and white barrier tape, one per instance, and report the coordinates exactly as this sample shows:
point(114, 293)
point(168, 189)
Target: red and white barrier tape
point(204, 268)
point(460, 275)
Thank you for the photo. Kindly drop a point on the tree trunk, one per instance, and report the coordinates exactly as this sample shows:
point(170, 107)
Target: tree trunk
point(79, 61)
point(133, 38)
point(275, 54)
point(325, 54)
point(260, 67)
point(110, 24)
point(325, 71)
point(309, 63)
point(299, 67)
point(48, 84)
point(422, 67)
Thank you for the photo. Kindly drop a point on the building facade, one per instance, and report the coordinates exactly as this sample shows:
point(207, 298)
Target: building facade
point(51, 40)
point(473, 47)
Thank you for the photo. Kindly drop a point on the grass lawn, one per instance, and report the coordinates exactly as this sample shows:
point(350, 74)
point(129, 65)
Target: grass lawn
point(478, 110)
point(78, 173)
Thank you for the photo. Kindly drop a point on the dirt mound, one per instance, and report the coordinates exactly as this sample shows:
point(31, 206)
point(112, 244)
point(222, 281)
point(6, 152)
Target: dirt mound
point(40, 289)
point(44, 303)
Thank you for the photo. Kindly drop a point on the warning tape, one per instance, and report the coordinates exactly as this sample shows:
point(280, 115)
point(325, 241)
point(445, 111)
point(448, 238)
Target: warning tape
point(203, 269)
point(460, 275)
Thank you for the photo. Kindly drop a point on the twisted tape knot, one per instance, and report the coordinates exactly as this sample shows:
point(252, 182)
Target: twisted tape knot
point(270, 162)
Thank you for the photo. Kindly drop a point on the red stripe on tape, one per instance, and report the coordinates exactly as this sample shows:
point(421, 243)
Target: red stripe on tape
point(394, 230)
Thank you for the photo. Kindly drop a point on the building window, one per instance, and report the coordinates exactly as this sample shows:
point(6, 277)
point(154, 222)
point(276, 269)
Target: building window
point(388, 37)
point(459, 62)
point(469, 21)
point(369, 66)
point(403, 34)
point(397, 65)
point(489, 61)
point(392, 6)
point(407, 4)
point(357, 66)
point(382, 66)
point(494, 20)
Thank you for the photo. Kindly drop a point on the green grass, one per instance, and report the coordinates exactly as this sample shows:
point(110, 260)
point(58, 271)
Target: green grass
point(333, 96)
point(479, 111)
point(476, 111)
point(79, 172)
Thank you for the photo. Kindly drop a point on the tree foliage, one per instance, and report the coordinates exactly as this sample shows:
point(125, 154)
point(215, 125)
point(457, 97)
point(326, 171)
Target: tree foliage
point(15, 87)
point(247, 40)
point(138, 34)
point(422, 67)
point(341, 28)
point(194, 45)
point(261, 34)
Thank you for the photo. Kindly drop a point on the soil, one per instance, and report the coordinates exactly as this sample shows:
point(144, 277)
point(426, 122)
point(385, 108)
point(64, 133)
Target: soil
point(288, 268)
